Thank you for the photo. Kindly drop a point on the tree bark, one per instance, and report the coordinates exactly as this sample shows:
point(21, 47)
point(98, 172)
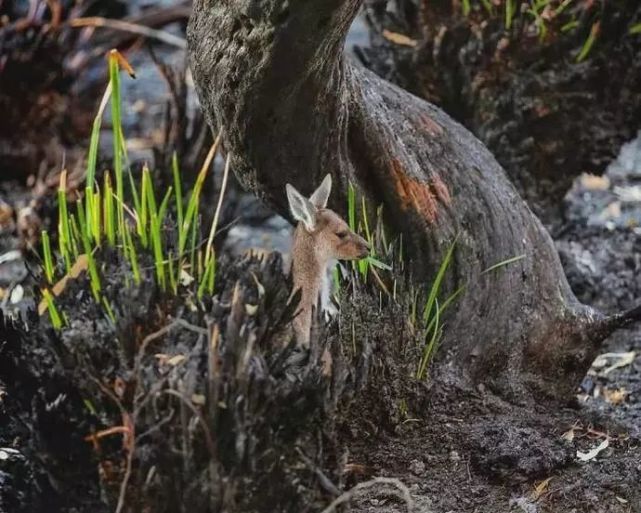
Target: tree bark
point(293, 108)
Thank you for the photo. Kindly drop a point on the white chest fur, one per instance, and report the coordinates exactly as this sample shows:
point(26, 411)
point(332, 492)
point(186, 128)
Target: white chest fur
point(327, 288)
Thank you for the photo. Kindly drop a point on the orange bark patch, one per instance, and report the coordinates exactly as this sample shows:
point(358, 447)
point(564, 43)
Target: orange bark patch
point(429, 125)
point(414, 195)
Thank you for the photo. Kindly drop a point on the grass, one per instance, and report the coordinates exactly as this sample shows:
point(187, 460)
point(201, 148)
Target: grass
point(135, 229)
point(430, 316)
point(543, 17)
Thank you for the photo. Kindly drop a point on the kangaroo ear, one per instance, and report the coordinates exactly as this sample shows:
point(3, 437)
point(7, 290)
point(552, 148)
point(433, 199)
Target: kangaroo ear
point(321, 195)
point(301, 208)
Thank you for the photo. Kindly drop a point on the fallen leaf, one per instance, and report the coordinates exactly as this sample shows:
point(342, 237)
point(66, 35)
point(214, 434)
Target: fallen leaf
point(616, 396)
point(186, 279)
point(79, 266)
point(198, 399)
point(540, 489)
point(568, 435)
point(251, 309)
point(17, 294)
point(175, 360)
point(621, 500)
point(590, 455)
point(594, 182)
point(399, 39)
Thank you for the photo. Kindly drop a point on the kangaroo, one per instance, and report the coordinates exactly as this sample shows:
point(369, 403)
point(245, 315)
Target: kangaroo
point(321, 238)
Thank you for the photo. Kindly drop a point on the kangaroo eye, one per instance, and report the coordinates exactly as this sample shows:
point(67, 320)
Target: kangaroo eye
point(341, 235)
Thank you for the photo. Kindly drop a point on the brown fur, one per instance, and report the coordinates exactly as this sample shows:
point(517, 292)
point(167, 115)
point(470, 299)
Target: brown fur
point(312, 252)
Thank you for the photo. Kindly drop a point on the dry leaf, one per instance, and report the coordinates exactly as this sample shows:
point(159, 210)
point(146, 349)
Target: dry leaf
point(595, 183)
point(186, 279)
point(399, 39)
point(590, 455)
point(616, 396)
point(621, 500)
point(175, 360)
point(80, 265)
point(568, 435)
point(198, 399)
point(17, 294)
point(251, 309)
point(540, 489)
point(165, 359)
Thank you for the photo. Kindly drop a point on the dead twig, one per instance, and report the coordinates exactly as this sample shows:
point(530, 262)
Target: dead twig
point(324, 481)
point(403, 492)
point(208, 438)
point(131, 28)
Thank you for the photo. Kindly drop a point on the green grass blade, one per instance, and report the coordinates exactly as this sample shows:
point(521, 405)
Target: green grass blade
point(116, 119)
point(208, 277)
point(510, 9)
point(108, 212)
point(351, 207)
point(378, 264)
point(54, 315)
point(109, 311)
point(47, 257)
point(430, 347)
point(64, 230)
point(162, 211)
point(436, 285)
point(139, 208)
point(503, 263)
point(94, 278)
point(589, 42)
point(132, 255)
point(178, 188)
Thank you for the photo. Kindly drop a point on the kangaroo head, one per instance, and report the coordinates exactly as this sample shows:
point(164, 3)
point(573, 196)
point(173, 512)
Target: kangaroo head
point(331, 237)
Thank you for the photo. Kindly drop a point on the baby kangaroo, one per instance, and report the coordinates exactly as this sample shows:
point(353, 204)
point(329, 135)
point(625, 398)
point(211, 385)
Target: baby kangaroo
point(320, 239)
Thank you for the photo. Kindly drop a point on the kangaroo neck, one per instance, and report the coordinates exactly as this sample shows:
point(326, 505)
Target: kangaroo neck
point(308, 268)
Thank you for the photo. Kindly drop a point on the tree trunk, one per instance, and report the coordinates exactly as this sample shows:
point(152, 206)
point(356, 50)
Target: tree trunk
point(545, 111)
point(293, 108)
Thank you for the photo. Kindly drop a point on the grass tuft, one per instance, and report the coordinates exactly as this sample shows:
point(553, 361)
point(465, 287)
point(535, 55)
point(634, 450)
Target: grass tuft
point(102, 217)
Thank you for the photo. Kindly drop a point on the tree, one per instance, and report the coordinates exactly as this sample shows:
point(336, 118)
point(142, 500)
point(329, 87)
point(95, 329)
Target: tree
point(293, 108)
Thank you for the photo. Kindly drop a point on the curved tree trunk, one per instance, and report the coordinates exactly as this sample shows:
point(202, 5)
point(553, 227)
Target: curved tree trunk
point(293, 108)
